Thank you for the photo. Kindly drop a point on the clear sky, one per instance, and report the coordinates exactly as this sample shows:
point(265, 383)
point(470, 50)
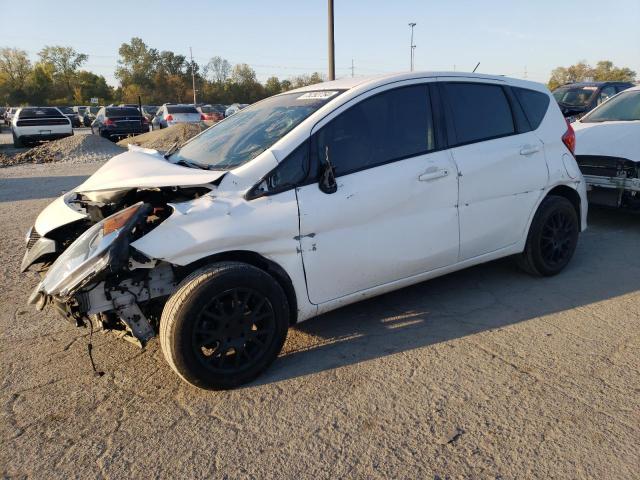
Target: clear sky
point(286, 37)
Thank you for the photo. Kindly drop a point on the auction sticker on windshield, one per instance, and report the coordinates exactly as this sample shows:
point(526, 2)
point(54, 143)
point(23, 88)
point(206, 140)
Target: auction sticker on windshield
point(317, 95)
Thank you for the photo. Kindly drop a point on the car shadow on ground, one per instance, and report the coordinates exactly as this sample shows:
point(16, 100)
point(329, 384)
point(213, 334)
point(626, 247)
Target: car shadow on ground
point(32, 188)
point(486, 297)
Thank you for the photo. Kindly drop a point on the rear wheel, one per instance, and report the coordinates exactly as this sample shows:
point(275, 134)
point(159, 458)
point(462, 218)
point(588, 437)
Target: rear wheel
point(224, 325)
point(552, 238)
point(17, 142)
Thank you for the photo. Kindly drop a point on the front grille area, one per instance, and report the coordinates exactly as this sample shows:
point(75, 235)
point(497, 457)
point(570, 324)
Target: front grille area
point(604, 166)
point(33, 238)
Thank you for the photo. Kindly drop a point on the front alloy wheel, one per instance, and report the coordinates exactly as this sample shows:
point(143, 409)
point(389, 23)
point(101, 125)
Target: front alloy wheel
point(224, 325)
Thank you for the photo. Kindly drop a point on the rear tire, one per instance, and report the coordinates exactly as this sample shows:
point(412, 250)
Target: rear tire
point(17, 142)
point(552, 238)
point(224, 325)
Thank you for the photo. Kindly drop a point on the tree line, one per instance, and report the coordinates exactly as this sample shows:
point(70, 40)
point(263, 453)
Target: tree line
point(57, 78)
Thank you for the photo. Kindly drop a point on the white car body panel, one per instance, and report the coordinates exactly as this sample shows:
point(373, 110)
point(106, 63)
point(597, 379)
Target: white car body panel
point(140, 168)
point(55, 215)
point(613, 139)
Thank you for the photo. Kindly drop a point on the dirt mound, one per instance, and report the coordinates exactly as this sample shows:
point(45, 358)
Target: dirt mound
point(74, 149)
point(164, 139)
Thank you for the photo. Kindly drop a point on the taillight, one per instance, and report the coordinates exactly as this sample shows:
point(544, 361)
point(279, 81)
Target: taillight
point(202, 117)
point(569, 139)
point(169, 118)
point(108, 121)
point(145, 121)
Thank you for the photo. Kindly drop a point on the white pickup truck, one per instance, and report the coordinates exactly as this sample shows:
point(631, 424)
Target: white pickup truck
point(34, 124)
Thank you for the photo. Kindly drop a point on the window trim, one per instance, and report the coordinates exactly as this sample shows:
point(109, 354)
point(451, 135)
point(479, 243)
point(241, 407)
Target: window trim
point(451, 133)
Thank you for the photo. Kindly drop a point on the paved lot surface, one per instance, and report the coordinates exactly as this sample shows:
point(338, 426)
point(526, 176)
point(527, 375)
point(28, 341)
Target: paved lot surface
point(486, 373)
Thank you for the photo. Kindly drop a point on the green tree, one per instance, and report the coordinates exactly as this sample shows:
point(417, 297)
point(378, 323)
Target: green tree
point(137, 65)
point(15, 69)
point(582, 71)
point(272, 86)
point(88, 85)
point(65, 62)
point(218, 70)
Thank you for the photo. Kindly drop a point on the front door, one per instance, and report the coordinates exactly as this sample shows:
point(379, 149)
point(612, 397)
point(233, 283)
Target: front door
point(394, 213)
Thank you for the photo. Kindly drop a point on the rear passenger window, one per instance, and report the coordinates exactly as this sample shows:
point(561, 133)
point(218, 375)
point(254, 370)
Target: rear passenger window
point(534, 104)
point(480, 111)
point(389, 126)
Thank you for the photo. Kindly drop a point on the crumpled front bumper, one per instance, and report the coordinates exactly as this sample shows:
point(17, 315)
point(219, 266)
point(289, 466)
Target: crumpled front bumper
point(37, 247)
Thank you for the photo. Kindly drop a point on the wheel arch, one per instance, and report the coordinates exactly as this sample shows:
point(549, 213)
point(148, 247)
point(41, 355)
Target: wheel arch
point(278, 273)
point(570, 194)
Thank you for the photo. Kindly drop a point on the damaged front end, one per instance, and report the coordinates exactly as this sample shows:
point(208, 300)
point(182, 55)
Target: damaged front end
point(611, 181)
point(101, 274)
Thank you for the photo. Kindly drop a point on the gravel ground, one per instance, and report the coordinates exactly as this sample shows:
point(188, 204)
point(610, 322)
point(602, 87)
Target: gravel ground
point(164, 139)
point(486, 373)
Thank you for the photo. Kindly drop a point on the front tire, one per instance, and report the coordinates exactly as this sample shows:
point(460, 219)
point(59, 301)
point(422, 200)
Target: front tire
point(224, 325)
point(552, 238)
point(17, 142)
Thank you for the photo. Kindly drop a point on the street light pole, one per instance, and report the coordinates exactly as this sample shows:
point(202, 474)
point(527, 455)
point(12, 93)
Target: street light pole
point(332, 52)
point(412, 46)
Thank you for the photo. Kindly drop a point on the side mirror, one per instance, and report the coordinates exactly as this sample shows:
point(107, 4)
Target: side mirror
point(327, 183)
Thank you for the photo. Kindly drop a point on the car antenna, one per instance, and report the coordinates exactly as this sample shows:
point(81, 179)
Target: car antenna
point(477, 65)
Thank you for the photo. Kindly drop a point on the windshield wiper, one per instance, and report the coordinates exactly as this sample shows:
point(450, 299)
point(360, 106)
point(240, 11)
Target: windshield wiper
point(189, 164)
point(171, 150)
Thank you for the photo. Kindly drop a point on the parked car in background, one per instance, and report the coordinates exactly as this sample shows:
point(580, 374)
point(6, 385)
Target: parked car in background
point(8, 115)
point(149, 111)
point(170, 114)
point(608, 150)
point(34, 124)
point(130, 105)
point(89, 115)
point(2, 112)
point(210, 113)
point(234, 108)
point(576, 99)
point(115, 123)
point(308, 201)
point(71, 115)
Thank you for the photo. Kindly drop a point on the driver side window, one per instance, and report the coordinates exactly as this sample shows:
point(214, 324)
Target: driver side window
point(392, 125)
point(605, 94)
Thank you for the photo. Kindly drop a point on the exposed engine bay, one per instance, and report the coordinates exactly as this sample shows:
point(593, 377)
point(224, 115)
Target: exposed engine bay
point(126, 290)
point(611, 181)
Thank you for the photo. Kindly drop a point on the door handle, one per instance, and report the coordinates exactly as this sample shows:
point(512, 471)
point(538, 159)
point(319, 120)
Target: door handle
point(529, 149)
point(433, 173)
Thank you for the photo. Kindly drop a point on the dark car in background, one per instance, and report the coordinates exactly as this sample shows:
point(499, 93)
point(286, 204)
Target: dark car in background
point(71, 115)
point(114, 123)
point(576, 99)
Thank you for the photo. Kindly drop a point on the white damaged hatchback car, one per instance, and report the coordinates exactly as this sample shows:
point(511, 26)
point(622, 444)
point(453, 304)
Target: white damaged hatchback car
point(305, 202)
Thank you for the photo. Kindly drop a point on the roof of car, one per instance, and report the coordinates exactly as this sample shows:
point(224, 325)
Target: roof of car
point(352, 82)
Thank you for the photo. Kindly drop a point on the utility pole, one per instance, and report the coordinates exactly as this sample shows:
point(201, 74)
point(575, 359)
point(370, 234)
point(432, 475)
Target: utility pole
point(332, 50)
point(352, 67)
point(412, 46)
point(193, 77)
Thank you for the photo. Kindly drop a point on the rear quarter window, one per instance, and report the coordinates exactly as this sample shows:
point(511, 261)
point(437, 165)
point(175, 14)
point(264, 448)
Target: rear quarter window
point(534, 104)
point(479, 111)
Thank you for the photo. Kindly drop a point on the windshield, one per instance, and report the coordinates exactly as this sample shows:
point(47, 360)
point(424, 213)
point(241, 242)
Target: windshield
point(39, 112)
point(66, 109)
point(122, 112)
point(94, 109)
point(574, 96)
point(245, 135)
point(624, 107)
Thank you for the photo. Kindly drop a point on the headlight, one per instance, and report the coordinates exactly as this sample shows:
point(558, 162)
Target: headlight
point(88, 255)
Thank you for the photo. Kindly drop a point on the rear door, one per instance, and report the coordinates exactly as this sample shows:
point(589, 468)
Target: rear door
point(502, 166)
point(394, 214)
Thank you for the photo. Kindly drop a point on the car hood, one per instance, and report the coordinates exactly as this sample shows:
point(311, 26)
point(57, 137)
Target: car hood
point(613, 139)
point(145, 168)
point(137, 168)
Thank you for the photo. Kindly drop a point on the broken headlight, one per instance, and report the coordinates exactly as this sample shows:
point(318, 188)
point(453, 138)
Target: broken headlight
point(91, 253)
